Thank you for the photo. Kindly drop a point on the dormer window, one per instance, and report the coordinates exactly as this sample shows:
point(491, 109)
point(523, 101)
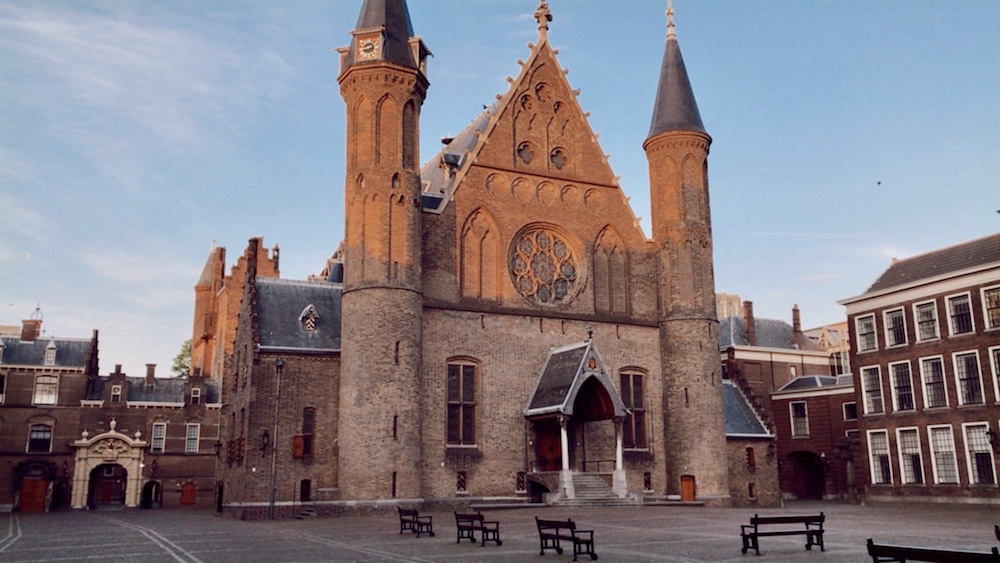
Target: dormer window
point(309, 318)
point(50, 353)
point(116, 393)
point(196, 395)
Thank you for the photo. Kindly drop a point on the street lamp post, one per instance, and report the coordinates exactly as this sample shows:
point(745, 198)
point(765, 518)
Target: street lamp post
point(279, 364)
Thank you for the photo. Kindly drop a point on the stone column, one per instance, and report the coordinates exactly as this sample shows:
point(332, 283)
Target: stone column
point(566, 475)
point(619, 486)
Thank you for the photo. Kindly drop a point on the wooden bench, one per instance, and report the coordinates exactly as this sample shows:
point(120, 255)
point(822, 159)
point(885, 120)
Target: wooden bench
point(812, 529)
point(411, 520)
point(551, 533)
point(900, 553)
point(469, 524)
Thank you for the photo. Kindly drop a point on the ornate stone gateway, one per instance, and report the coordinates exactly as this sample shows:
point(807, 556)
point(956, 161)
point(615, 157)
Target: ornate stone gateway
point(95, 456)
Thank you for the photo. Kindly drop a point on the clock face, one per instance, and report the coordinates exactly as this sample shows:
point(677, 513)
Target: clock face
point(368, 47)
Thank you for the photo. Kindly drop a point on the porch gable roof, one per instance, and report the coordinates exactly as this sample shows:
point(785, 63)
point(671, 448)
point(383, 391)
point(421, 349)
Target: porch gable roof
point(565, 371)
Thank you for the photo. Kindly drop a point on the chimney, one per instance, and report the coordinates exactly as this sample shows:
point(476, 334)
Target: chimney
point(30, 329)
point(797, 326)
point(150, 374)
point(748, 323)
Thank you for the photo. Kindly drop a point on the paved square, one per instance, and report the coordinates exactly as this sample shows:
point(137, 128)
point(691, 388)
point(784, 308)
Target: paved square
point(621, 534)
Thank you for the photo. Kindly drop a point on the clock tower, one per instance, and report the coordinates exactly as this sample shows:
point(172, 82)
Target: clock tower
point(383, 82)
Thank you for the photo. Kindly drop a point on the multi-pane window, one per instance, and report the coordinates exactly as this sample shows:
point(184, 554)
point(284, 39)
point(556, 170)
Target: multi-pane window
point(878, 450)
point(959, 314)
point(159, 437)
point(991, 307)
point(866, 333)
point(871, 381)
point(196, 395)
point(40, 439)
point(902, 386)
point(910, 465)
point(850, 411)
point(895, 328)
point(461, 404)
point(46, 390)
point(800, 418)
point(979, 454)
point(191, 438)
point(50, 354)
point(932, 373)
point(116, 393)
point(634, 429)
point(970, 385)
point(927, 323)
point(943, 454)
point(302, 445)
point(994, 362)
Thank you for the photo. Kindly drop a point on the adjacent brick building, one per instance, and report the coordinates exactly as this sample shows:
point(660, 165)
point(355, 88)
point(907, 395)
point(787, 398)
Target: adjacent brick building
point(495, 324)
point(926, 357)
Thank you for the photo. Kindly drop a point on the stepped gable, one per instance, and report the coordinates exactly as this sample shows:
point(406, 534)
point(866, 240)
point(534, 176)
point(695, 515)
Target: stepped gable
point(741, 419)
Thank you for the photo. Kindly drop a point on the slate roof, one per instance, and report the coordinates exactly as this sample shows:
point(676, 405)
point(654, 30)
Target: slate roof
point(395, 17)
point(675, 108)
point(971, 254)
point(770, 333)
point(453, 157)
point(280, 305)
point(562, 377)
point(70, 352)
point(163, 391)
point(740, 416)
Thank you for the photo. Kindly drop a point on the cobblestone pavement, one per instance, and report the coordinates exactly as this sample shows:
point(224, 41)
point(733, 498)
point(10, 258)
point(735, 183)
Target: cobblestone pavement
point(621, 534)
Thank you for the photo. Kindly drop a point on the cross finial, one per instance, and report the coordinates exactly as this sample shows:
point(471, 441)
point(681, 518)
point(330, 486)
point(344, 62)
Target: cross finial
point(544, 16)
point(670, 20)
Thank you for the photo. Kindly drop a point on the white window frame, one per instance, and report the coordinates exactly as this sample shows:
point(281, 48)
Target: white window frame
point(920, 479)
point(196, 395)
point(116, 393)
point(934, 454)
point(52, 434)
point(864, 390)
point(951, 315)
point(871, 456)
point(50, 354)
point(792, 418)
point(994, 352)
point(886, 327)
point(986, 310)
point(966, 426)
point(923, 381)
point(35, 395)
point(158, 444)
point(916, 321)
point(793, 372)
point(843, 407)
point(852, 434)
point(958, 381)
point(3, 385)
point(859, 335)
point(191, 442)
point(895, 386)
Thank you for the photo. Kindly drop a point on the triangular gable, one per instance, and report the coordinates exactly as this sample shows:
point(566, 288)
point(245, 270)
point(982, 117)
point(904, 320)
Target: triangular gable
point(565, 372)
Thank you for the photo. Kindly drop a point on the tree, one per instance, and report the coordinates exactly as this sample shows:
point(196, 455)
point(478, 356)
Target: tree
point(182, 361)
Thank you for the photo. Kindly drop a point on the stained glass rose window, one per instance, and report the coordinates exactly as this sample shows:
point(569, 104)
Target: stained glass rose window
point(543, 266)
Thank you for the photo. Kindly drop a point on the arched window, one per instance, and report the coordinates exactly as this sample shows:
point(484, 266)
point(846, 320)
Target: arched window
point(40, 439)
point(461, 394)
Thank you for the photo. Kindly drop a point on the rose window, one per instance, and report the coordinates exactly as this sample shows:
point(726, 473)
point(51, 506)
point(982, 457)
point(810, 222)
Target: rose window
point(543, 267)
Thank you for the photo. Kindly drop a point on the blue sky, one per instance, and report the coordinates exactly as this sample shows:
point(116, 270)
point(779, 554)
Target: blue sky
point(133, 135)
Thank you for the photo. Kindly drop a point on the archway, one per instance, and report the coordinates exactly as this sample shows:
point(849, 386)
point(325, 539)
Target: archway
point(107, 486)
point(810, 475)
point(150, 495)
point(35, 488)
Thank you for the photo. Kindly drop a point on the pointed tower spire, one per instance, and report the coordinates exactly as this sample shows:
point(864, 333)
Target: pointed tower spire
point(675, 108)
point(384, 33)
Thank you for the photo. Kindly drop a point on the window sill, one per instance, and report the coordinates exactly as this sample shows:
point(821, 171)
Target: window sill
point(929, 340)
point(972, 406)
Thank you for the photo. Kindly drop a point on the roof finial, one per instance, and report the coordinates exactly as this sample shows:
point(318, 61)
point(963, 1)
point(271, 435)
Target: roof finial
point(544, 16)
point(670, 20)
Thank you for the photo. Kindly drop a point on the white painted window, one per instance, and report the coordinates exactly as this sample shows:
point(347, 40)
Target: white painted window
point(865, 327)
point(159, 437)
point(50, 354)
point(959, 314)
point(895, 327)
point(196, 395)
point(995, 364)
point(191, 442)
point(967, 379)
point(902, 386)
point(979, 453)
point(932, 376)
point(878, 457)
point(46, 390)
point(800, 418)
point(40, 438)
point(991, 307)
point(116, 393)
point(910, 461)
point(943, 454)
point(850, 411)
point(927, 322)
point(871, 384)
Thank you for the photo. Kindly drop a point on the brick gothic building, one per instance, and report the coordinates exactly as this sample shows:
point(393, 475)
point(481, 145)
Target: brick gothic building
point(926, 350)
point(494, 324)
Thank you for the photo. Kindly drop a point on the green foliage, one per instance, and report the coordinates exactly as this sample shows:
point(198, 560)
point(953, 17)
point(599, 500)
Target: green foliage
point(182, 361)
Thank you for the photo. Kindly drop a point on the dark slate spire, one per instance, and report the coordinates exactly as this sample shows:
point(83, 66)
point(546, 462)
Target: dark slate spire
point(675, 108)
point(393, 19)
